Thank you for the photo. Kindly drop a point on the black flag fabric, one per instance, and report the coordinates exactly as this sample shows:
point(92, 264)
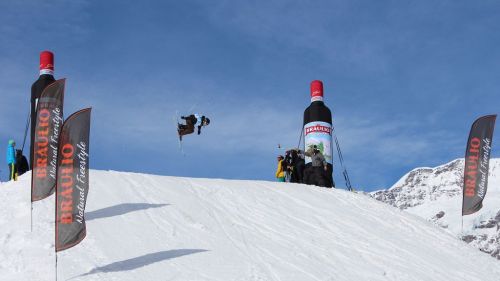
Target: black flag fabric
point(48, 125)
point(477, 161)
point(72, 180)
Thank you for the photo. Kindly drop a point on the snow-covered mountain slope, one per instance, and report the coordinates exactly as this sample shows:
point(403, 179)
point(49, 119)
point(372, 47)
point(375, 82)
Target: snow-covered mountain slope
point(436, 195)
point(144, 227)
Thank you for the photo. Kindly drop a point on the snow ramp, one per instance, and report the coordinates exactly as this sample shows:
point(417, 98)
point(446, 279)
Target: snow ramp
point(146, 227)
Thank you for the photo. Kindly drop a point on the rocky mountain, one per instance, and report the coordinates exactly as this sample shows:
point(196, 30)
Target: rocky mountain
point(435, 194)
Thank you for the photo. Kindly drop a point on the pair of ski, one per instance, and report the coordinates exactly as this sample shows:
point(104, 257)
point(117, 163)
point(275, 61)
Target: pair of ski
point(177, 126)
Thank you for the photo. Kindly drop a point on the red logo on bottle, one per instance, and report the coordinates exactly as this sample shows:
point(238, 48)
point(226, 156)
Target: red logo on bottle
point(318, 129)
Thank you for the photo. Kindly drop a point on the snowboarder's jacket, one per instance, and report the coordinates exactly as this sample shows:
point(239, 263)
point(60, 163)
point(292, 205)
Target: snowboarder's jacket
point(11, 153)
point(201, 121)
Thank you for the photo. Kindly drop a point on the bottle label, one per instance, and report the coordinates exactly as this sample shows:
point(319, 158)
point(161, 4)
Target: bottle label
point(46, 71)
point(319, 134)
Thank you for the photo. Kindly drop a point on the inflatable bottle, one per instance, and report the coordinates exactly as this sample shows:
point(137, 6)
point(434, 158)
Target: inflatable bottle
point(46, 78)
point(318, 134)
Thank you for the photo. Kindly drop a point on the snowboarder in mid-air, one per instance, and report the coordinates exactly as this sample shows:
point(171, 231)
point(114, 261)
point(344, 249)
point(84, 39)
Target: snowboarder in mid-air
point(191, 121)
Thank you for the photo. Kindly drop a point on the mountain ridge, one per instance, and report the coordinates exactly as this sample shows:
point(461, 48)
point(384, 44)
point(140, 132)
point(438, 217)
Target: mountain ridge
point(435, 194)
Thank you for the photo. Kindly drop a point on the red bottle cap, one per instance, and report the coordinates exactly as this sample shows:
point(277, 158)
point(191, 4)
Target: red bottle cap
point(46, 62)
point(316, 90)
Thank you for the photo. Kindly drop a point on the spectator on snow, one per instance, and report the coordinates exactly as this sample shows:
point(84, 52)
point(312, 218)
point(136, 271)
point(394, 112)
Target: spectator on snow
point(287, 166)
point(317, 175)
point(317, 158)
point(11, 159)
point(300, 165)
point(291, 161)
point(22, 165)
point(280, 173)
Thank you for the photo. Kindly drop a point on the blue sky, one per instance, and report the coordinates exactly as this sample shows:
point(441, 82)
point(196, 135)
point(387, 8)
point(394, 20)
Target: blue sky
point(404, 79)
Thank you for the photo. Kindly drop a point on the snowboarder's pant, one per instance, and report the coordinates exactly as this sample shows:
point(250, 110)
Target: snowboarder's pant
point(185, 130)
point(12, 171)
point(188, 128)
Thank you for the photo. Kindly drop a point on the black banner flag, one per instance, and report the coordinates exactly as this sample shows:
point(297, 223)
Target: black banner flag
point(72, 180)
point(477, 162)
point(49, 121)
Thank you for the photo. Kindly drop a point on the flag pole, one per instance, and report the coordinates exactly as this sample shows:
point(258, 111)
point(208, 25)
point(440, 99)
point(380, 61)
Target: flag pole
point(56, 266)
point(462, 231)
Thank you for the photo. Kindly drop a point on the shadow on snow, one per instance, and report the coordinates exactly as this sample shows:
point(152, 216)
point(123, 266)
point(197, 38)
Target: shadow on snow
point(120, 209)
point(141, 261)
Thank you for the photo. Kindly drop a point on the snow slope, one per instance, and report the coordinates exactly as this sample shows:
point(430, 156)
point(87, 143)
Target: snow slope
point(435, 194)
point(144, 227)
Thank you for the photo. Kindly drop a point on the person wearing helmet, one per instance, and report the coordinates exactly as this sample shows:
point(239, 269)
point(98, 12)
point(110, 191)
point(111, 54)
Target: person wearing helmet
point(191, 121)
point(11, 159)
point(204, 121)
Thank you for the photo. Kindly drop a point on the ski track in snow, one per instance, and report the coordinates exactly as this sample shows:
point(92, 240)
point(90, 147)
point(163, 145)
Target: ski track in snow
point(145, 227)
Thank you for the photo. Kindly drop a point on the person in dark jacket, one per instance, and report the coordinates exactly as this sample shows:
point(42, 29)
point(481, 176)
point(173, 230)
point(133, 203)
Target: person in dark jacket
point(191, 121)
point(22, 165)
point(300, 165)
point(291, 162)
point(11, 159)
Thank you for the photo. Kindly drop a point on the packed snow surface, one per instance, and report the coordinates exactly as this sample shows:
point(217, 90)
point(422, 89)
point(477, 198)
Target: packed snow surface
point(144, 227)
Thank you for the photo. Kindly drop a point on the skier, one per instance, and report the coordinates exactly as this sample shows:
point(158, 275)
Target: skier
point(191, 121)
point(11, 159)
point(317, 176)
point(21, 163)
point(280, 173)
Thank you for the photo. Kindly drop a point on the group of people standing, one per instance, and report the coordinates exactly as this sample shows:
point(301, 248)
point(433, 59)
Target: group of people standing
point(17, 162)
point(292, 168)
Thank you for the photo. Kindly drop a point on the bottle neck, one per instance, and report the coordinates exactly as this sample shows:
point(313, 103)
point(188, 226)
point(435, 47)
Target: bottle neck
point(46, 71)
point(316, 101)
point(317, 98)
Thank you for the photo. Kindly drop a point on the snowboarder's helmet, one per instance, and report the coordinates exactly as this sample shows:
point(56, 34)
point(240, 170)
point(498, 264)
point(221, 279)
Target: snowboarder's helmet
point(207, 121)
